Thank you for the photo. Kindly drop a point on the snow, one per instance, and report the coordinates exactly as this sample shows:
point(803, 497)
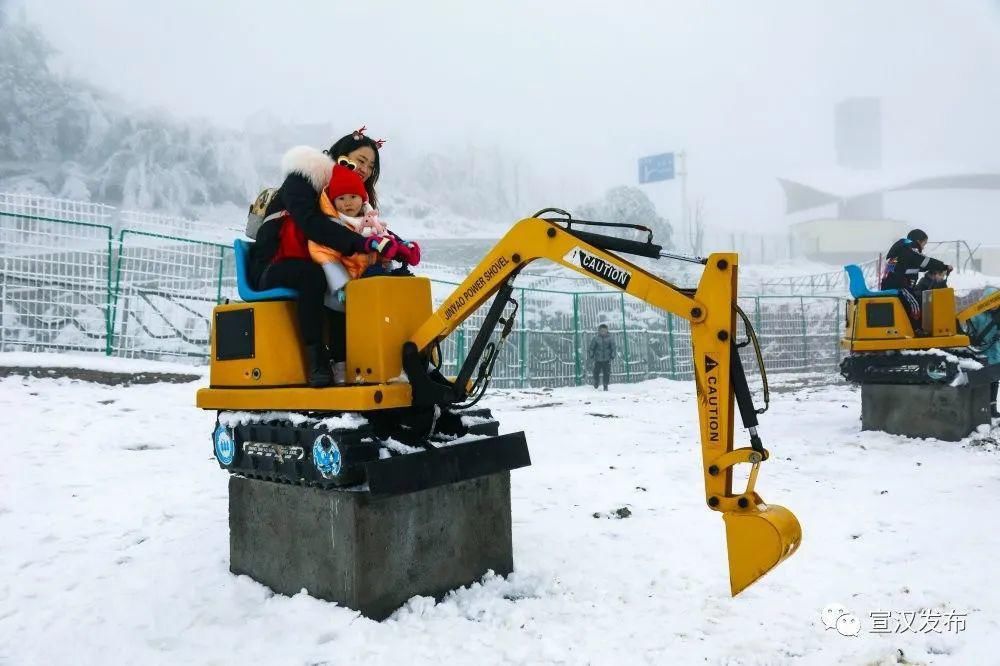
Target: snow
point(96, 362)
point(400, 448)
point(963, 363)
point(115, 547)
point(349, 421)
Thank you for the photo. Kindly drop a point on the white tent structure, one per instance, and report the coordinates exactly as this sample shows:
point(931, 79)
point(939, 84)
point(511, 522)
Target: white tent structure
point(860, 229)
point(842, 186)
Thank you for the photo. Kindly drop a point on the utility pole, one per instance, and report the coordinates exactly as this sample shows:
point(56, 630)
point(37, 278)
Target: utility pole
point(685, 220)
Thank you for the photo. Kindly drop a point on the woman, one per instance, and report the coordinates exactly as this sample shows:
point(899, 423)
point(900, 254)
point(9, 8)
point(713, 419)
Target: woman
point(280, 257)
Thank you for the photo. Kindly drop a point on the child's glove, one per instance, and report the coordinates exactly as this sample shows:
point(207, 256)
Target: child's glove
point(371, 225)
point(386, 247)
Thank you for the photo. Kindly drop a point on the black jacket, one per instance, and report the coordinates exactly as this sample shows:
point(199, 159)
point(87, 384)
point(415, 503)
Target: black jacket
point(307, 172)
point(904, 263)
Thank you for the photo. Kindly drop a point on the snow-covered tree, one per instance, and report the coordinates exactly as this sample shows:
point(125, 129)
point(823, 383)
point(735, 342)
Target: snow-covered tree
point(63, 137)
point(67, 138)
point(628, 205)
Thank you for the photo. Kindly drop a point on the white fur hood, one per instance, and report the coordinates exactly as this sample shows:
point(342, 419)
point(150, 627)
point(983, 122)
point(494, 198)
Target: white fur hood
point(315, 165)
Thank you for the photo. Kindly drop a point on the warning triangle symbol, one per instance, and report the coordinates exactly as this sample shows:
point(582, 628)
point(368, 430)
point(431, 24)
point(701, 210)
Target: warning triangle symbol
point(710, 364)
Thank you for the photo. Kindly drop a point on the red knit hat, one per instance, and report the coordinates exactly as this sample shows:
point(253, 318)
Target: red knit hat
point(344, 181)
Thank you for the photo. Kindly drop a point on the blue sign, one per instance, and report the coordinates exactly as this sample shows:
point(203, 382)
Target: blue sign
point(656, 167)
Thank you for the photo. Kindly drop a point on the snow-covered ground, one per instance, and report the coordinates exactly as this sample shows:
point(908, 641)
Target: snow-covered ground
point(97, 363)
point(114, 543)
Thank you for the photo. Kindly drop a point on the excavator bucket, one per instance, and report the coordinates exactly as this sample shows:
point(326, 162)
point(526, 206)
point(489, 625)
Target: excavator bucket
point(757, 540)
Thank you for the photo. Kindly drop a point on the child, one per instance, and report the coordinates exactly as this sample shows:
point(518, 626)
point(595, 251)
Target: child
point(345, 201)
point(932, 280)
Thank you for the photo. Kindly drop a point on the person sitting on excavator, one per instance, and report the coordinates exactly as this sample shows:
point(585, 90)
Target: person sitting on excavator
point(904, 262)
point(280, 257)
point(932, 280)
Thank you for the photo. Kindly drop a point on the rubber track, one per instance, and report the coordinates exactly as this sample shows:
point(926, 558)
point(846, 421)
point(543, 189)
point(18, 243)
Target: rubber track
point(358, 446)
point(901, 368)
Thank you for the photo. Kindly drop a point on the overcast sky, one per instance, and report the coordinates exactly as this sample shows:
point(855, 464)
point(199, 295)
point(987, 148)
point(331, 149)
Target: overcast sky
point(579, 89)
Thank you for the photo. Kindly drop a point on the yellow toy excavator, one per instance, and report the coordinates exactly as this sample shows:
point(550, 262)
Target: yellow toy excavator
point(399, 425)
point(883, 347)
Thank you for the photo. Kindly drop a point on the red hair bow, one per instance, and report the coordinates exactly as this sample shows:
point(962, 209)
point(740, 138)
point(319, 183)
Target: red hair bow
point(360, 132)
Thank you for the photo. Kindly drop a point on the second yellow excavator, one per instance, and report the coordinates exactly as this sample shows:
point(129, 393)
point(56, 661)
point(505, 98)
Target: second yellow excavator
point(400, 425)
point(883, 347)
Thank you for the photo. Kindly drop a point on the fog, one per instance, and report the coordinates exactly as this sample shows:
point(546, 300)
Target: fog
point(575, 90)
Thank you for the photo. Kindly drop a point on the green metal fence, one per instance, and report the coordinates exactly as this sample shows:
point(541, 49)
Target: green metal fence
point(55, 292)
point(70, 285)
point(164, 290)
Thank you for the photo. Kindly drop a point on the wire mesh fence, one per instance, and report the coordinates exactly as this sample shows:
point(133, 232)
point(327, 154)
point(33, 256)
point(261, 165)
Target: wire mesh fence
point(830, 283)
point(549, 343)
point(34, 206)
point(164, 290)
point(67, 284)
point(54, 290)
point(182, 227)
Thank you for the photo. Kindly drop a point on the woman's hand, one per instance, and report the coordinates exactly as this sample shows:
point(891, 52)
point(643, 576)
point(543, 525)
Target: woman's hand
point(390, 246)
point(409, 253)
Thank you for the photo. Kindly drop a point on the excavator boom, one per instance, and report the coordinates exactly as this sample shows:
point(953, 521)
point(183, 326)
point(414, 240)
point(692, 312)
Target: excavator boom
point(985, 304)
point(759, 535)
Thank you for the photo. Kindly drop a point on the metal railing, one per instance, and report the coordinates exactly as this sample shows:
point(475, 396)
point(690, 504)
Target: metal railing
point(957, 253)
point(829, 283)
point(73, 285)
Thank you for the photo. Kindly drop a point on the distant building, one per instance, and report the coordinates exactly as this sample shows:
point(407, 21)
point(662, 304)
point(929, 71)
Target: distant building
point(837, 241)
point(830, 239)
point(857, 186)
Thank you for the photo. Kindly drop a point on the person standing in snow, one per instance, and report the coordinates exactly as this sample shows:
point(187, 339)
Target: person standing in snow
point(601, 352)
point(903, 264)
point(984, 330)
point(280, 257)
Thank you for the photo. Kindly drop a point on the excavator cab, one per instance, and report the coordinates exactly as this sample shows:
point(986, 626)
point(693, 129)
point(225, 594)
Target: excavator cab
point(399, 425)
point(250, 340)
point(877, 320)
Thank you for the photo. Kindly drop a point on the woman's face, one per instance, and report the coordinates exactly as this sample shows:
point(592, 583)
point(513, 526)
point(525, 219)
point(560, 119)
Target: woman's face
point(364, 158)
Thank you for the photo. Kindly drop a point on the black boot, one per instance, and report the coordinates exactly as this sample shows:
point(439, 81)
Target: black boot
point(318, 366)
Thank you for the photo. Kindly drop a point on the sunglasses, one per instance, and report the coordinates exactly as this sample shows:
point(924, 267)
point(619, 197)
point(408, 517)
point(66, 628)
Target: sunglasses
point(346, 163)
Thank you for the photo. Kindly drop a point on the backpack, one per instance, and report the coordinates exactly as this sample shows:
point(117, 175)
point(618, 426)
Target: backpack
point(256, 218)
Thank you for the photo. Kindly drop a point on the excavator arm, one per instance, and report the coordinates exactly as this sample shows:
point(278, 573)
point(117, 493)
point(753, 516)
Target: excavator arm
point(985, 304)
point(759, 535)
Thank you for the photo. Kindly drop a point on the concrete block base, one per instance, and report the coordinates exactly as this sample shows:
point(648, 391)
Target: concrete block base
point(935, 411)
point(370, 553)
